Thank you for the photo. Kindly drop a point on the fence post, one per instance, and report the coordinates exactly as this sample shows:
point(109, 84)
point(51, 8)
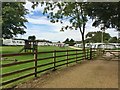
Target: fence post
point(90, 53)
point(35, 58)
point(67, 57)
point(86, 53)
point(76, 55)
point(54, 59)
point(93, 52)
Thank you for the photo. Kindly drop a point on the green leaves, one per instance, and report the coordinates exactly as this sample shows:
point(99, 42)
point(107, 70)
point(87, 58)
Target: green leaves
point(53, 21)
point(107, 13)
point(59, 11)
point(13, 16)
point(95, 37)
point(71, 42)
point(31, 38)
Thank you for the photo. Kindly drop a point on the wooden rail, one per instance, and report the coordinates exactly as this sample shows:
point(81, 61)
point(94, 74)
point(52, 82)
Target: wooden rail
point(52, 62)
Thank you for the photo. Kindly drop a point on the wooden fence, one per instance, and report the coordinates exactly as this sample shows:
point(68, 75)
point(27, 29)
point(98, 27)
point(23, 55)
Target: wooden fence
point(52, 63)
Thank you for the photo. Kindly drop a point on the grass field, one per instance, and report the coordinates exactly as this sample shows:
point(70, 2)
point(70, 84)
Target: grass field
point(16, 49)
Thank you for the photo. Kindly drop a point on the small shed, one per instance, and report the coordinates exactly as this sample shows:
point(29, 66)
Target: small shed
point(30, 45)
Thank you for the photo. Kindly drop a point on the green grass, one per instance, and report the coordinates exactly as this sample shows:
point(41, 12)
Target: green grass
point(16, 49)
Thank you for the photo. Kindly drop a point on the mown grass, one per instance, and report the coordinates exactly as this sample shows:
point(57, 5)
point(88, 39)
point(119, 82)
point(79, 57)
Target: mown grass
point(16, 49)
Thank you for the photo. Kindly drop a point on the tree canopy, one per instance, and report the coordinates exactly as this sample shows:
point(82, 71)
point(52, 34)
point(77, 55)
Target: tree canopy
point(71, 42)
point(31, 38)
point(74, 12)
point(66, 41)
point(113, 40)
point(95, 37)
point(13, 15)
point(107, 13)
point(13, 19)
point(77, 13)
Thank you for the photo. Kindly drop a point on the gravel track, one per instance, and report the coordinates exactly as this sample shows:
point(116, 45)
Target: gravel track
point(87, 74)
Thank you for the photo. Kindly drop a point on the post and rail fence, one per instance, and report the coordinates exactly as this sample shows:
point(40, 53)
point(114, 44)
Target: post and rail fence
point(50, 63)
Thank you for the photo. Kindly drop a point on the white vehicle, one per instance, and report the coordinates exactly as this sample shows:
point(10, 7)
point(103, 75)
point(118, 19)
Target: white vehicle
point(104, 45)
point(13, 42)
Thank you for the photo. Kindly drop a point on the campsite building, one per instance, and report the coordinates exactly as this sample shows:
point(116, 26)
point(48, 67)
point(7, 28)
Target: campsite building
point(100, 45)
point(18, 42)
point(13, 42)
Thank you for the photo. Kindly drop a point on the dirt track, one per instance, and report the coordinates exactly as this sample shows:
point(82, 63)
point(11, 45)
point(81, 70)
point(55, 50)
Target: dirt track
point(87, 74)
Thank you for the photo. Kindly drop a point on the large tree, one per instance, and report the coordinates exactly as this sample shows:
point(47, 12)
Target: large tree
point(77, 13)
point(66, 41)
point(13, 19)
point(118, 41)
point(113, 40)
point(107, 13)
point(74, 12)
point(31, 38)
point(71, 42)
point(95, 37)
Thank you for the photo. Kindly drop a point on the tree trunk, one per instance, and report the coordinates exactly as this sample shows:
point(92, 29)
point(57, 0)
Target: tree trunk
point(82, 28)
point(83, 42)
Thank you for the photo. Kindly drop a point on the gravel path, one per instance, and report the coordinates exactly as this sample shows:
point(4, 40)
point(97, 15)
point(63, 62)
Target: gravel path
point(87, 74)
point(75, 47)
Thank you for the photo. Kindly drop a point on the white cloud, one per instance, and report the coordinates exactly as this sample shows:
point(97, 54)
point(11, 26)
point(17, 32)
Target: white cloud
point(43, 20)
point(89, 28)
point(28, 6)
point(55, 36)
point(58, 36)
point(113, 32)
point(37, 8)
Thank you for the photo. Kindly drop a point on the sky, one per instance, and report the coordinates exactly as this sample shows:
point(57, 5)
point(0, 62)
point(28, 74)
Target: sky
point(40, 26)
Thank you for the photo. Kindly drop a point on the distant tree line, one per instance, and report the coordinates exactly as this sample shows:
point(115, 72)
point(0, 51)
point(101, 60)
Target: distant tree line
point(34, 38)
point(31, 38)
point(95, 37)
point(70, 42)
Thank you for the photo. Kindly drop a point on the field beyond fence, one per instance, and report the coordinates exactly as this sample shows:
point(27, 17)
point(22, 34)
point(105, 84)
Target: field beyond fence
point(38, 63)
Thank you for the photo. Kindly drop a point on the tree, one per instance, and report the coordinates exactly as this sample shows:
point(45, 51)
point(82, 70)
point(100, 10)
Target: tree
point(90, 34)
point(13, 19)
point(66, 41)
point(31, 38)
point(118, 40)
point(95, 37)
point(113, 40)
point(58, 42)
point(72, 11)
point(71, 42)
point(107, 13)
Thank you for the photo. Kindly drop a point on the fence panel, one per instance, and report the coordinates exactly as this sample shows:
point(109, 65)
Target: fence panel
point(41, 62)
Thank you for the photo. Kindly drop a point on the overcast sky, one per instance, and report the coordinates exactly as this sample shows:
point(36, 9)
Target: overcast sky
point(42, 28)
